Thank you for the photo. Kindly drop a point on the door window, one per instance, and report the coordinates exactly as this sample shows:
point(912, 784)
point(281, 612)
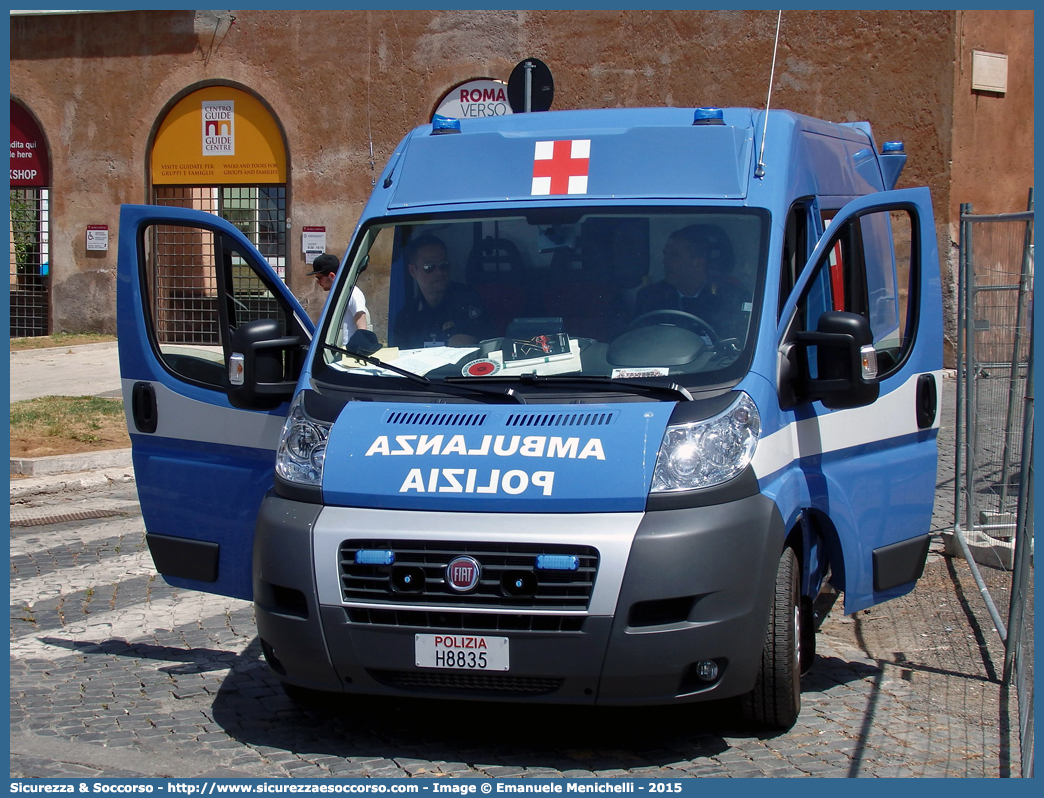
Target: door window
point(200, 287)
point(795, 251)
point(868, 269)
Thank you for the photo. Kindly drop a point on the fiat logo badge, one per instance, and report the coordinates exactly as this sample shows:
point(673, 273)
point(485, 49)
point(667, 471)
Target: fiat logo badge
point(462, 573)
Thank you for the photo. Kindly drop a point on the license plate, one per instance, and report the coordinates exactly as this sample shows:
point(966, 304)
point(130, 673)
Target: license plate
point(462, 652)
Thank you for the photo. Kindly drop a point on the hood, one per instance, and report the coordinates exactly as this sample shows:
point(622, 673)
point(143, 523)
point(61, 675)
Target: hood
point(502, 458)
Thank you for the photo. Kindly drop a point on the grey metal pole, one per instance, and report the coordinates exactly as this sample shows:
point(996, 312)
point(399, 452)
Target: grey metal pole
point(962, 276)
point(969, 378)
point(1013, 375)
point(529, 86)
point(1023, 525)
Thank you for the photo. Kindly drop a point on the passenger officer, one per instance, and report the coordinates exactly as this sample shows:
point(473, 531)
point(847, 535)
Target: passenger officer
point(444, 312)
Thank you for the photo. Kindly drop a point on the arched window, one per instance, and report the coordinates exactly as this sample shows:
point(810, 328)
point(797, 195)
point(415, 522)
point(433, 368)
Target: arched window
point(30, 223)
point(217, 149)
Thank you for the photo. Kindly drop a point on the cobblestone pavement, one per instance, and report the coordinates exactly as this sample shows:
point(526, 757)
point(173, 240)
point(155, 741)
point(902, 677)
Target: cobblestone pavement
point(114, 673)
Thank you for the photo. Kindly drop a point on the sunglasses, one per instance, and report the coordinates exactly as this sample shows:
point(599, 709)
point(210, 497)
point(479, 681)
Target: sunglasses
point(431, 266)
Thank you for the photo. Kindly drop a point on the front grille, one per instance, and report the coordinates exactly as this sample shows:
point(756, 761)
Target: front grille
point(486, 683)
point(467, 621)
point(552, 590)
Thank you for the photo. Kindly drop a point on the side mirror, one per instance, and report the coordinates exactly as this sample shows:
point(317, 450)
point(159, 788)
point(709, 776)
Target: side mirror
point(842, 351)
point(263, 367)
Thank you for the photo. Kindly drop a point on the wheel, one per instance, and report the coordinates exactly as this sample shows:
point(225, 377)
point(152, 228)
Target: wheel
point(679, 318)
point(776, 698)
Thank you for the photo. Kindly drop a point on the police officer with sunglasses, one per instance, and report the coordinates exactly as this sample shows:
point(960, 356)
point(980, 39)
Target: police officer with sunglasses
point(442, 312)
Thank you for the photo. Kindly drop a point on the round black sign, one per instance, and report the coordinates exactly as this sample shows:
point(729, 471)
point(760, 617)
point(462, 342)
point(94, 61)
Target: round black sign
point(542, 90)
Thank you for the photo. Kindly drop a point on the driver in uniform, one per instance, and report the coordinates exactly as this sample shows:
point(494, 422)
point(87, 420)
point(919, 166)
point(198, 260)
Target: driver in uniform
point(687, 286)
point(443, 313)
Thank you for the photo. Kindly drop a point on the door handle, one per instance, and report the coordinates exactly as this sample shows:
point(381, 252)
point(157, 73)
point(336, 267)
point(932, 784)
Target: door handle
point(143, 407)
point(927, 400)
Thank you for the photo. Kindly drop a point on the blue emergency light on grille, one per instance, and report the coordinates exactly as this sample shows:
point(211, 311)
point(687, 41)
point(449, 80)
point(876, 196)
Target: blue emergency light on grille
point(374, 557)
point(557, 562)
point(893, 147)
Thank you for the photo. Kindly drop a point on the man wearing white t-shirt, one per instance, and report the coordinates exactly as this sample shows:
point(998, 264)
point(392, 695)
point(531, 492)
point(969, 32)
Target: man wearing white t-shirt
point(324, 268)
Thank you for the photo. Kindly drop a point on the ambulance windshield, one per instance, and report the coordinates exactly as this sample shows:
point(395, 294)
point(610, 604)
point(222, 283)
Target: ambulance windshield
point(616, 294)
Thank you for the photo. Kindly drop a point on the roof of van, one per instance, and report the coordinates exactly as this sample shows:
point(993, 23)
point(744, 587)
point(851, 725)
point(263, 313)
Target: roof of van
point(626, 153)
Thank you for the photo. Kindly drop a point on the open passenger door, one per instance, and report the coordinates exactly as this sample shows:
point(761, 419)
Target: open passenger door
point(860, 340)
point(189, 284)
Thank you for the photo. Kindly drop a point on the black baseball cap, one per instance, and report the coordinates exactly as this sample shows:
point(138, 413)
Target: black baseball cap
point(324, 263)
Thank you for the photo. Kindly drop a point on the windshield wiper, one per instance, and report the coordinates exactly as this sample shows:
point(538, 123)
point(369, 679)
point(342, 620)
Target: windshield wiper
point(505, 395)
point(380, 363)
point(597, 382)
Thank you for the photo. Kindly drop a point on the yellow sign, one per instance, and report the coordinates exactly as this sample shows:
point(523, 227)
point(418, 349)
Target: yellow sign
point(218, 136)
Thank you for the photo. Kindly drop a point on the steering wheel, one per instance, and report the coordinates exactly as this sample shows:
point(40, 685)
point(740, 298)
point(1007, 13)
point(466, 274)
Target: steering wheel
point(678, 318)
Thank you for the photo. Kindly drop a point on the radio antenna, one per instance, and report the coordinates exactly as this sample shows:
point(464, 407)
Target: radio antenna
point(369, 123)
point(760, 170)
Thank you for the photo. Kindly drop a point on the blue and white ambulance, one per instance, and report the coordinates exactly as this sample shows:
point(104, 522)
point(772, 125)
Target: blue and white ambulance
point(635, 388)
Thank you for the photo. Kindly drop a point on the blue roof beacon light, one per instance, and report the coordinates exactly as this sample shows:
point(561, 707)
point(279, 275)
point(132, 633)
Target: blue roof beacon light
point(557, 562)
point(893, 159)
point(708, 116)
point(441, 125)
point(374, 557)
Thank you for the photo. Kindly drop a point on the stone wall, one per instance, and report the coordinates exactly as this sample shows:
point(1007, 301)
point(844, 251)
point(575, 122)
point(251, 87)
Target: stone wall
point(337, 80)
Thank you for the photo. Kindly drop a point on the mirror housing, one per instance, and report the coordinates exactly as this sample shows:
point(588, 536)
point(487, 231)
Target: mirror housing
point(845, 360)
point(263, 367)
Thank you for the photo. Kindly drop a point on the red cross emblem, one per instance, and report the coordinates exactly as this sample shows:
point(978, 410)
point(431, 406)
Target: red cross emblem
point(560, 167)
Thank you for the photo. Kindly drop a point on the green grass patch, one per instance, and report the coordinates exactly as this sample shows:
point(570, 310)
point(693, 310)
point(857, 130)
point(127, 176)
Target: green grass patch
point(66, 424)
point(59, 339)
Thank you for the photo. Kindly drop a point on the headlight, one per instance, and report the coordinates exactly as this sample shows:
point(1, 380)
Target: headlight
point(701, 454)
point(302, 446)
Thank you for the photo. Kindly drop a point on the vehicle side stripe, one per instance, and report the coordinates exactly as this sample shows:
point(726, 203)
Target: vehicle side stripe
point(892, 416)
point(184, 418)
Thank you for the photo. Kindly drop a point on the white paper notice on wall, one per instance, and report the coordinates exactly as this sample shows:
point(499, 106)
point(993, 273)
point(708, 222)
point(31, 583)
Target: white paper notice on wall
point(97, 237)
point(989, 71)
point(313, 242)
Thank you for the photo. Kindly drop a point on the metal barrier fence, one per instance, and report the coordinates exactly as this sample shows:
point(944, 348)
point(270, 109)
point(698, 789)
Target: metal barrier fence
point(993, 513)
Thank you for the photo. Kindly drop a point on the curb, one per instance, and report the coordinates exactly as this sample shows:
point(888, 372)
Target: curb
point(25, 490)
point(70, 463)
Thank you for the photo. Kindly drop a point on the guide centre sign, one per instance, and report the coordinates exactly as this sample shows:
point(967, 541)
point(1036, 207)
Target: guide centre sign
point(218, 136)
point(219, 132)
point(474, 99)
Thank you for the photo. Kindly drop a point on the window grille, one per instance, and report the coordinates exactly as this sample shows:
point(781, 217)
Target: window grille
point(30, 262)
point(183, 275)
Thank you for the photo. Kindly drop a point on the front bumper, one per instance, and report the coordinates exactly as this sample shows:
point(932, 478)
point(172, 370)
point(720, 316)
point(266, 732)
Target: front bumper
point(687, 585)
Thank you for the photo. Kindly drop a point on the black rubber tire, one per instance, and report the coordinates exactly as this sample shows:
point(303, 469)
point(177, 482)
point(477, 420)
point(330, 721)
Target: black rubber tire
point(775, 701)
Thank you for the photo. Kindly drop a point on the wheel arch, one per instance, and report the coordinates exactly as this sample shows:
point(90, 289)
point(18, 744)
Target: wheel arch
point(817, 544)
